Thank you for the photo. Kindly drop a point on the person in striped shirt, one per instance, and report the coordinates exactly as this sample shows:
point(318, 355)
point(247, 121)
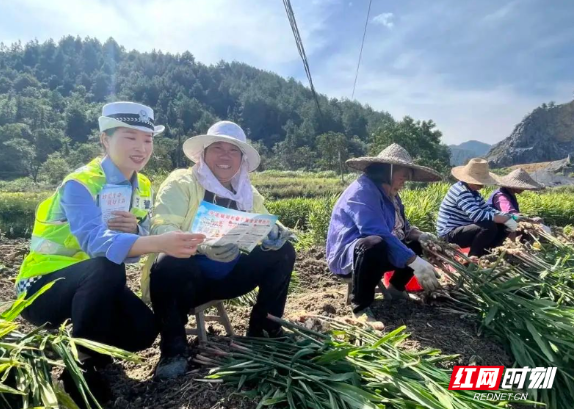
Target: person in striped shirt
point(465, 218)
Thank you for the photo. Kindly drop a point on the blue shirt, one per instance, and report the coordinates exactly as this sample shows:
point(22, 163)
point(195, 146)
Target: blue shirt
point(363, 210)
point(460, 207)
point(85, 219)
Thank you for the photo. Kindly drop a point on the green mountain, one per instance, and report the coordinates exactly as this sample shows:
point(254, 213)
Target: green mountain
point(51, 95)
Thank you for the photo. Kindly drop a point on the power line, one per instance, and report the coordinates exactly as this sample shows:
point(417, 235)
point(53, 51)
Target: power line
point(301, 48)
point(361, 52)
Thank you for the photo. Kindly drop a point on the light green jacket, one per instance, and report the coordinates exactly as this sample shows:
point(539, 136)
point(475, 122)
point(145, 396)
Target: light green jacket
point(176, 204)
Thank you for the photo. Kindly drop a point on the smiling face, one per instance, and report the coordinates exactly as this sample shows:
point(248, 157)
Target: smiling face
point(129, 149)
point(223, 159)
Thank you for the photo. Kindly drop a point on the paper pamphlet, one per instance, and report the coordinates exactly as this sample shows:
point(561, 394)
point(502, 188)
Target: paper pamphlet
point(222, 226)
point(114, 198)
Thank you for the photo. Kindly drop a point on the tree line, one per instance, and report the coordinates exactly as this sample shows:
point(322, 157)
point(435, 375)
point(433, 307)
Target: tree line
point(51, 95)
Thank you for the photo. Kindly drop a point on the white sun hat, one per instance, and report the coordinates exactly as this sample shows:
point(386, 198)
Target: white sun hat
point(222, 131)
point(129, 115)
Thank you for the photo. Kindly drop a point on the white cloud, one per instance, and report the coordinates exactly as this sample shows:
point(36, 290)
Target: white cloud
point(255, 32)
point(488, 115)
point(407, 70)
point(500, 13)
point(385, 19)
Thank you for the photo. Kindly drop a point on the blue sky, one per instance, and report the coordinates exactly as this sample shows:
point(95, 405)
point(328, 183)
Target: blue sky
point(475, 67)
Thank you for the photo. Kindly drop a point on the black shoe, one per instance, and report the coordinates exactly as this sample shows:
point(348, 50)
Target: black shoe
point(255, 333)
point(277, 333)
point(259, 333)
point(171, 367)
point(97, 384)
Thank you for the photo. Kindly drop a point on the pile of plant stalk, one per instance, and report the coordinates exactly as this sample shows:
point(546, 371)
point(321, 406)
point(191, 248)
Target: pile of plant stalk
point(523, 296)
point(339, 365)
point(27, 360)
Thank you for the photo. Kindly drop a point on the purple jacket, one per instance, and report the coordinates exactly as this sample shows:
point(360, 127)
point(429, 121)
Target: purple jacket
point(363, 210)
point(504, 201)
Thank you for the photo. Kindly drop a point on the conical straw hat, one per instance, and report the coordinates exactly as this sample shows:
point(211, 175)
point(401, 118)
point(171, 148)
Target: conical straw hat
point(519, 179)
point(475, 172)
point(396, 155)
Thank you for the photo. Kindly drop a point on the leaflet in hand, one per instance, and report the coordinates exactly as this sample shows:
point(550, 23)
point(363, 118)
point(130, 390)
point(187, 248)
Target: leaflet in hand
point(114, 198)
point(222, 226)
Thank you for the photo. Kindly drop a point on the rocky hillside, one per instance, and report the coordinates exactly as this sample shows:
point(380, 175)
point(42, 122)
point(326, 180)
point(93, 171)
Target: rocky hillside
point(460, 154)
point(547, 134)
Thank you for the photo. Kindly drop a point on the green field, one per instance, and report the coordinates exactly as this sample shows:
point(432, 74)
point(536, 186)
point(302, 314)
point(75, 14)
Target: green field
point(304, 200)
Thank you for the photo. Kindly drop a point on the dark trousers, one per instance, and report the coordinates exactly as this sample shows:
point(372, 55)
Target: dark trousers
point(94, 295)
point(177, 285)
point(370, 262)
point(480, 237)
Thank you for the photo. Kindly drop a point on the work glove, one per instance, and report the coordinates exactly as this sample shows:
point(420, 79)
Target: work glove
point(537, 219)
point(546, 229)
point(425, 274)
point(511, 224)
point(276, 238)
point(426, 237)
point(225, 253)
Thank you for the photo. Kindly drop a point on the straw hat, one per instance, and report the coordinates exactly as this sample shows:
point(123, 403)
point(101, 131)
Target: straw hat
point(128, 115)
point(396, 155)
point(519, 179)
point(475, 172)
point(222, 131)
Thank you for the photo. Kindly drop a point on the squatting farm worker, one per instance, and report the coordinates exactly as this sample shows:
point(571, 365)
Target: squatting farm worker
point(73, 244)
point(464, 217)
point(369, 233)
point(223, 160)
point(505, 199)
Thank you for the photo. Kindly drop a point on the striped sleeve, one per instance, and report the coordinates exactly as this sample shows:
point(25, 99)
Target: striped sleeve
point(462, 207)
point(476, 209)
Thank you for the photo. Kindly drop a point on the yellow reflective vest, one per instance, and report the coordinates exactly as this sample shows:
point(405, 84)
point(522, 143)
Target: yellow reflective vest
point(53, 246)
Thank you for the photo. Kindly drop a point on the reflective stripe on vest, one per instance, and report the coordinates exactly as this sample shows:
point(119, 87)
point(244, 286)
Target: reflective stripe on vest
point(45, 246)
point(53, 245)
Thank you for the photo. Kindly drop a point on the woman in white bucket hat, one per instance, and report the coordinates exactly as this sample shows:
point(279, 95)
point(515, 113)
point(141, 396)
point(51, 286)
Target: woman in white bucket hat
point(82, 250)
point(369, 233)
point(223, 160)
point(464, 217)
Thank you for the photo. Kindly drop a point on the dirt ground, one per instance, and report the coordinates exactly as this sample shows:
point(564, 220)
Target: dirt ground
point(316, 292)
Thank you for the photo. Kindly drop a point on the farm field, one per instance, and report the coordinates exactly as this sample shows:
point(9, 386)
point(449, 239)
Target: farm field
point(467, 336)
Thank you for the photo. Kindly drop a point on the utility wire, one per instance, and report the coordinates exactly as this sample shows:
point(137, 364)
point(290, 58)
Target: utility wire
point(301, 49)
point(361, 52)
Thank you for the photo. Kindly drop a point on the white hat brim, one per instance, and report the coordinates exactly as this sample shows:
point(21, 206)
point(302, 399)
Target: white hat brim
point(195, 145)
point(106, 123)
